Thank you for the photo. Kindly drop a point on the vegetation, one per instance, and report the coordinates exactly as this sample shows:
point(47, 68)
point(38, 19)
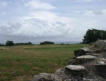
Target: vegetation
point(46, 43)
point(29, 43)
point(9, 43)
point(93, 35)
point(20, 63)
point(1, 44)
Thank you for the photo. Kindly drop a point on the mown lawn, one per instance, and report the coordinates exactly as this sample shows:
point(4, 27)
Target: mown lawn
point(20, 63)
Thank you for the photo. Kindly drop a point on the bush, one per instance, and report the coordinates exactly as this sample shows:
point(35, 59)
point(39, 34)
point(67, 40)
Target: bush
point(93, 35)
point(29, 43)
point(9, 43)
point(46, 43)
point(1, 44)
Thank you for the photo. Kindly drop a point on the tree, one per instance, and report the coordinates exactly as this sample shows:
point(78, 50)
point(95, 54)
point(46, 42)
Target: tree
point(9, 43)
point(93, 35)
point(46, 43)
point(29, 43)
point(0, 44)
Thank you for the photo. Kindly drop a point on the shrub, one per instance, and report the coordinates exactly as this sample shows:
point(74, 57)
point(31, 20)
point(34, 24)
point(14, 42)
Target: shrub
point(28, 43)
point(93, 35)
point(46, 43)
point(9, 43)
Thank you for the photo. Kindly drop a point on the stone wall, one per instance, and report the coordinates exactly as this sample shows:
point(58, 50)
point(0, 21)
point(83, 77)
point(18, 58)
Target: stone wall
point(89, 64)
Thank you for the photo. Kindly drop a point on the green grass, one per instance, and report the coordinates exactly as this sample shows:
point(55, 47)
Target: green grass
point(20, 63)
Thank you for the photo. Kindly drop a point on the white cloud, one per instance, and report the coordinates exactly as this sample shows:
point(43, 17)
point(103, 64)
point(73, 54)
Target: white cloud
point(39, 5)
point(49, 24)
point(83, 0)
point(89, 13)
point(87, 0)
point(44, 23)
point(40, 21)
point(104, 11)
point(95, 12)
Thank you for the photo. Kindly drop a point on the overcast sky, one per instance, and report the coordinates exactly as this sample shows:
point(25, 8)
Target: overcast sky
point(54, 20)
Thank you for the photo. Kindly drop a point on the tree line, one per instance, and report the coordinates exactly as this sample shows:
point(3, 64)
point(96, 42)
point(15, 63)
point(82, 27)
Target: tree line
point(11, 43)
point(93, 35)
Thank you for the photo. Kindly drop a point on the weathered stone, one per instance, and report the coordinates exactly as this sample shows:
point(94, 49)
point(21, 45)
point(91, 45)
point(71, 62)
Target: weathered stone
point(82, 51)
point(61, 73)
point(86, 57)
point(104, 60)
point(96, 54)
point(101, 62)
point(88, 65)
point(46, 77)
point(97, 50)
point(72, 62)
point(75, 67)
point(100, 70)
point(101, 44)
point(76, 72)
point(92, 74)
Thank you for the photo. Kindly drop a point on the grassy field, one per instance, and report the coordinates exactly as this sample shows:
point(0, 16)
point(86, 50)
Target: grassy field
point(20, 63)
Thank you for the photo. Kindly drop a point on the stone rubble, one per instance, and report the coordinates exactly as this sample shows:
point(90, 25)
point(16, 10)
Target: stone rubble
point(89, 64)
point(75, 67)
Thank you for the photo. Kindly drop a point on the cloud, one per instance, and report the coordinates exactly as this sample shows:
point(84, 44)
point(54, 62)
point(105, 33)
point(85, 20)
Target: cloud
point(104, 11)
point(39, 5)
point(41, 21)
point(38, 22)
point(43, 24)
point(48, 25)
point(95, 12)
point(88, 1)
point(83, 0)
point(9, 28)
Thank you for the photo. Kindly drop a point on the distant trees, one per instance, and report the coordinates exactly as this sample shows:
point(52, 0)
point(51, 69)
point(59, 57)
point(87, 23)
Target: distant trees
point(93, 35)
point(28, 43)
point(1, 44)
point(46, 43)
point(9, 43)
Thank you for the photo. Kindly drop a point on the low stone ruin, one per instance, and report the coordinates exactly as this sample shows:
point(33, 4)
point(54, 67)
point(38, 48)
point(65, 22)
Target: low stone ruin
point(101, 44)
point(89, 64)
point(82, 51)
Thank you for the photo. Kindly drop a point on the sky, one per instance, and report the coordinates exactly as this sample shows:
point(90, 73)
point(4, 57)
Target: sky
point(50, 20)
